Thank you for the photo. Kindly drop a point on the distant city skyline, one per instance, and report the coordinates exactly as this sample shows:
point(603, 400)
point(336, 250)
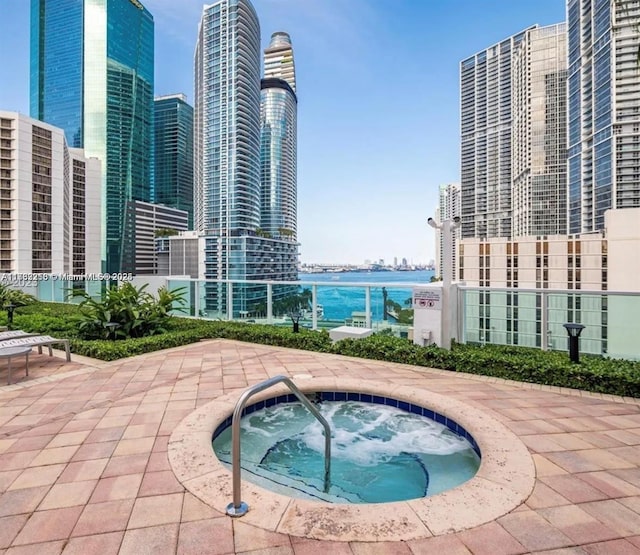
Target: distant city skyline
point(370, 158)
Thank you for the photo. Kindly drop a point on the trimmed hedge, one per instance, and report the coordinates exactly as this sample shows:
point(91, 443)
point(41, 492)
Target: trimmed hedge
point(594, 373)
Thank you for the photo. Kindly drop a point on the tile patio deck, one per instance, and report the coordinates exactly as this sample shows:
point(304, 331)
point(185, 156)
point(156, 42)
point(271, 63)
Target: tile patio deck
point(84, 466)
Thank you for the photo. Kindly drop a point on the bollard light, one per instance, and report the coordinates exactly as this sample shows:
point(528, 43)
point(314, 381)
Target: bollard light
point(10, 308)
point(574, 331)
point(295, 316)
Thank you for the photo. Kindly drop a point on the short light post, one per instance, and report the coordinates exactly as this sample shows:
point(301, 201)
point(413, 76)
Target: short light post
point(384, 303)
point(447, 227)
point(295, 318)
point(10, 308)
point(574, 331)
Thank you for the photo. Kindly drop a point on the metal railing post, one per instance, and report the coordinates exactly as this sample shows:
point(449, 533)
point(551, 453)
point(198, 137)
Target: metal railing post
point(314, 307)
point(544, 321)
point(367, 307)
point(269, 303)
point(229, 300)
point(238, 507)
point(194, 290)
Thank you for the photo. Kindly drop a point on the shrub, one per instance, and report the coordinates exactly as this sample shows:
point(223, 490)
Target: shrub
point(594, 373)
point(126, 311)
point(15, 297)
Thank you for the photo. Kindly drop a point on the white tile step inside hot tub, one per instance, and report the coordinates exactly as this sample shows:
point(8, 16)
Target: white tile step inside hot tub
point(343, 332)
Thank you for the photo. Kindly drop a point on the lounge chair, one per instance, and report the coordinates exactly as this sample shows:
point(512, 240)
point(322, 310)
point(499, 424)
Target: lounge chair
point(12, 334)
point(36, 341)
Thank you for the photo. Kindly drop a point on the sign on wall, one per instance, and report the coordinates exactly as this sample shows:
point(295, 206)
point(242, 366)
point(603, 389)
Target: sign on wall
point(427, 298)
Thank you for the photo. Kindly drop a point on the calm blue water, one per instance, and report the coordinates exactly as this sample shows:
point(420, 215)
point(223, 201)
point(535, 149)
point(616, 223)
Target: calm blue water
point(340, 302)
point(378, 453)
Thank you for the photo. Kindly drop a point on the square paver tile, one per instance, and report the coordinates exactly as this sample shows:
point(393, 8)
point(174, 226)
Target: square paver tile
point(533, 531)
point(83, 470)
point(37, 476)
point(577, 524)
point(102, 544)
point(45, 526)
point(110, 516)
point(9, 528)
point(573, 488)
point(44, 548)
point(21, 500)
point(159, 509)
point(194, 509)
point(614, 547)
point(491, 539)
point(127, 464)
point(248, 538)
point(117, 487)
point(379, 548)
point(68, 495)
point(155, 540)
point(443, 545)
point(614, 515)
point(194, 535)
point(158, 483)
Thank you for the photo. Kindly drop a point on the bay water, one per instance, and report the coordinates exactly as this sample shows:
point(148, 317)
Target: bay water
point(339, 301)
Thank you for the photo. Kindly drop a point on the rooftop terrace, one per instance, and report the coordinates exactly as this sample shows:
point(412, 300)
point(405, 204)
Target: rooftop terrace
point(84, 465)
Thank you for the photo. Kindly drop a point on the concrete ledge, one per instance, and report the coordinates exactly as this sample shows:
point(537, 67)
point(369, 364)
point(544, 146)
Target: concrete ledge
point(343, 332)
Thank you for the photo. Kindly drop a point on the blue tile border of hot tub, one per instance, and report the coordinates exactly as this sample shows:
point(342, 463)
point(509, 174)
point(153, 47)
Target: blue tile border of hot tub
point(362, 398)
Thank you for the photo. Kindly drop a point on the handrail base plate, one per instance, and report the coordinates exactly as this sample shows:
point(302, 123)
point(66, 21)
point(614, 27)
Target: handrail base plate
point(234, 511)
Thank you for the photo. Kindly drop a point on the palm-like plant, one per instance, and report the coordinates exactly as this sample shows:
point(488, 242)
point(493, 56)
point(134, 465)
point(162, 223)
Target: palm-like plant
point(127, 311)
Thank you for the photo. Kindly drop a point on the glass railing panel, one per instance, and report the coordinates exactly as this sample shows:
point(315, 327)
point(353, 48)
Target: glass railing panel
point(340, 306)
point(189, 291)
point(391, 310)
point(621, 323)
point(577, 308)
point(501, 317)
point(250, 302)
point(44, 290)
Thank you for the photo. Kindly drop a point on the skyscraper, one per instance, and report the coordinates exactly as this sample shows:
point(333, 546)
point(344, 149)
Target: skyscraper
point(513, 127)
point(227, 160)
point(448, 208)
point(485, 126)
point(604, 116)
point(173, 153)
point(278, 141)
point(92, 75)
point(278, 59)
point(50, 217)
point(227, 119)
point(539, 133)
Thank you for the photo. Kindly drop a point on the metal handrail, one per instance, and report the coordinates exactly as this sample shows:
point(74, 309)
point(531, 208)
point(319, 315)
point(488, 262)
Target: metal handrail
point(238, 507)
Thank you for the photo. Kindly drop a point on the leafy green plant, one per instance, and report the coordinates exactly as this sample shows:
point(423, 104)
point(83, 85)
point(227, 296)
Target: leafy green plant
point(8, 295)
point(126, 311)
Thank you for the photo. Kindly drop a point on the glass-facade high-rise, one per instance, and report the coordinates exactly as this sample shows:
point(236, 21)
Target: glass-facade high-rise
point(278, 141)
point(485, 128)
point(539, 133)
point(92, 75)
point(173, 153)
point(227, 119)
point(604, 115)
point(227, 156)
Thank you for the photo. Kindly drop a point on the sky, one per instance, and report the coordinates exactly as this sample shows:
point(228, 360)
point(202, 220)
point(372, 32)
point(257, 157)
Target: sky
point(378, 104)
